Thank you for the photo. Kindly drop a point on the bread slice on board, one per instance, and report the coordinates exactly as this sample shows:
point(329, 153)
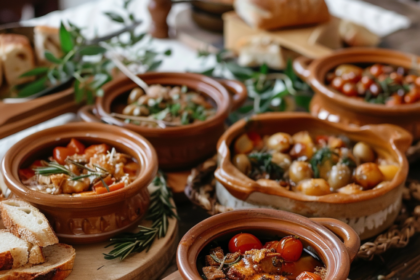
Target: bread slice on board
point(59, 264)
point(27, 222)
point(13, 251)
point(35, 255)
point(17, 57)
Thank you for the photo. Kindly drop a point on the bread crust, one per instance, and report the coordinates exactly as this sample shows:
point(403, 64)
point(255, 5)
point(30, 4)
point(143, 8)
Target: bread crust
point(273, 14)
point(6, 261)
point(49, 237)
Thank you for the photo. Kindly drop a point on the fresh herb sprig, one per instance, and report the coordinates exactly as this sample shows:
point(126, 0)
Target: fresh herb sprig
point(160, 211)
point(85, 61)
point(267, 92)
point(319, 158)
point(261, 163)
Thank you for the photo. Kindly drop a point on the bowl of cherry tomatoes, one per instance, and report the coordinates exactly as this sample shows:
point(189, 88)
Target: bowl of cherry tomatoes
point(267, 244)
point(301, 164)
point(365, 86)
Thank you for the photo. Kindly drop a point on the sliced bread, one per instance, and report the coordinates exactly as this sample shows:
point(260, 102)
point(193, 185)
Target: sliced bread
point(35, 255)
point(13, 251)
point(59, 264)
point(27, 222)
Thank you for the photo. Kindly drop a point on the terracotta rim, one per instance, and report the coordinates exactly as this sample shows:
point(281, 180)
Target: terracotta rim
point(317, 69)
point(139, 148)
point(332, 251)
point(205, 84)
point(241, 186)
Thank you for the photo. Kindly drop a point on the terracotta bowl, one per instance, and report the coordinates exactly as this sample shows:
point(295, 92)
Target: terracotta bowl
point(368, 213)
point(177, 147)
point(317, 233)
point(328, 104)
point(91, 218)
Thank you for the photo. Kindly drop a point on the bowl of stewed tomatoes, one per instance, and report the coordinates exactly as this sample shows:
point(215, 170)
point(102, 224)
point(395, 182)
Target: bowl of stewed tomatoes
point(365, 86)
point(299, 163)
point(267, 244)
point(90, 180)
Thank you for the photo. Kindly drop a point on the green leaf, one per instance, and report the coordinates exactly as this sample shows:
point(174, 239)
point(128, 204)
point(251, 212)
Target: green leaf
point(131, 17)
point(168, 52)
point(66, 39)
point(69, 68)
point(35, 72)
point(99, 80)
point(51, 58)
point(208, 72)
point(90, 96)
point(264, 69)
point(78, 92)
point(33, 87)
point(245, 109)
point(126, 3)
point(114, 17)
point(303, 101)
point(289, 71)
point(241, 73)
point(138, 38)
point(154, 65)
point(92, 50)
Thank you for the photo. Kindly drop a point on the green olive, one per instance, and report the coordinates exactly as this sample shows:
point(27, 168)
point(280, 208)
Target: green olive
point(135, 95)
point(316, 187)
point(242, 162)
point(368, 175)
point(363, 152)
point(340, 175)
point(300, 170)
point(280, 142)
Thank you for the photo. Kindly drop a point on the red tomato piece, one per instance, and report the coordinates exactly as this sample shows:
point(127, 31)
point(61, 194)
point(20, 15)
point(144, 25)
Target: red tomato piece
point(243, 242)
point(255, 138)
point(76, 146)
point(305, 263)
point(290, 248)
point(96, 149)
point(322, 139)
point(61, 153)
point(308, 276)
point(37, 163)
point(376, 70)
point(26, 173)
point(271, 245)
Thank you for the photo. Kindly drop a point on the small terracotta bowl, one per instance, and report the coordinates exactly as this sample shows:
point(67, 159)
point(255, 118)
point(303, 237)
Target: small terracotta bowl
point(177, 147)
point(328, 104)
point(368, 213)
point(80, 220)
point(316, 232)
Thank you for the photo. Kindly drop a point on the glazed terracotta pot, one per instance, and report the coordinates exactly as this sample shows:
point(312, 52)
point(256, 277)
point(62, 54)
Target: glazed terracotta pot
point(329, 104)
point(368, 212)
point(177, 147)
point(91, 218)
point(316, 232)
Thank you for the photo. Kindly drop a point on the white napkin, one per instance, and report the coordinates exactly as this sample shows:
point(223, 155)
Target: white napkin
point(378, 20)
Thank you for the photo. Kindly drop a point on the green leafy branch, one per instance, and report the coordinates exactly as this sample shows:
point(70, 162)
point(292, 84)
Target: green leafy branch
point(160, 211)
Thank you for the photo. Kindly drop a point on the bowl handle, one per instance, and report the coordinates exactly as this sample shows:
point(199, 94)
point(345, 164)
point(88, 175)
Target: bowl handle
point(350, 238)
point(301, 65)
point(240, 93)
point(85, 113)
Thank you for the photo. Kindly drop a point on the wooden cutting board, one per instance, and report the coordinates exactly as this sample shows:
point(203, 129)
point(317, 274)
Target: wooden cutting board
point(90, 263)
point(174, 276)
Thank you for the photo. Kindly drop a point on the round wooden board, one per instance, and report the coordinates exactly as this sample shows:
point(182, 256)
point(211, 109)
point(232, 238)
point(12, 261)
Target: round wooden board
point(90, 263)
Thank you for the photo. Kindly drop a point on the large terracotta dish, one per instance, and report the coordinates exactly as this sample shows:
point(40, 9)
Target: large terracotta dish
point(330, 105)
point(177, 147)
point(314, 232)
point(369, 212)
point(91, 218)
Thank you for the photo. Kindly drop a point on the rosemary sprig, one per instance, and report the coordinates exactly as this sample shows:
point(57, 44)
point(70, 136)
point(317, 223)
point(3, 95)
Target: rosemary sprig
point(160, 211)
point(51, 169)
point(261, 163)
point(319, 157)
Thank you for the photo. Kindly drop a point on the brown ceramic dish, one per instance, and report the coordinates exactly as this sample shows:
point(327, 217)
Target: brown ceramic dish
point(316, 233)
point(177, 147)
point(368, 212)
point(91, 218)
point(330, 105)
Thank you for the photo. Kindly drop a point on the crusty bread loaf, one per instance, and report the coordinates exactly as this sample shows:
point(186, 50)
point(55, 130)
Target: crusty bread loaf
point(355, 35)
point(274, 14)
point(27, 222)
point(46, 39)
point(13, 251)
point(17, 58)
point(58, 265)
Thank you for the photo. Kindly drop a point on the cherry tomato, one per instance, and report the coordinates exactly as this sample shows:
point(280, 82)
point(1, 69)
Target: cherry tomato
point(308, 276)
point(243, 242)
point(397, 78)
point(96, 149)
point(337, 83)
point(366, 81)
point(375, 89)
point(376, 70)
point(76, 146)
point(290, 248)
point(349, 89)
point(61, 153)
point(410, 79)
point(394, 99)
point(255, 138)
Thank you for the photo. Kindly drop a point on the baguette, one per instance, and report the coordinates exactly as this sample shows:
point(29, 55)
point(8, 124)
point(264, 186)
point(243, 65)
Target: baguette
point(35, 255)
point(46, 38)
point(13, 251)
point(274, 14)
point(355, 35)
point(27, 222)
point(59, 264)
point(17, 58)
